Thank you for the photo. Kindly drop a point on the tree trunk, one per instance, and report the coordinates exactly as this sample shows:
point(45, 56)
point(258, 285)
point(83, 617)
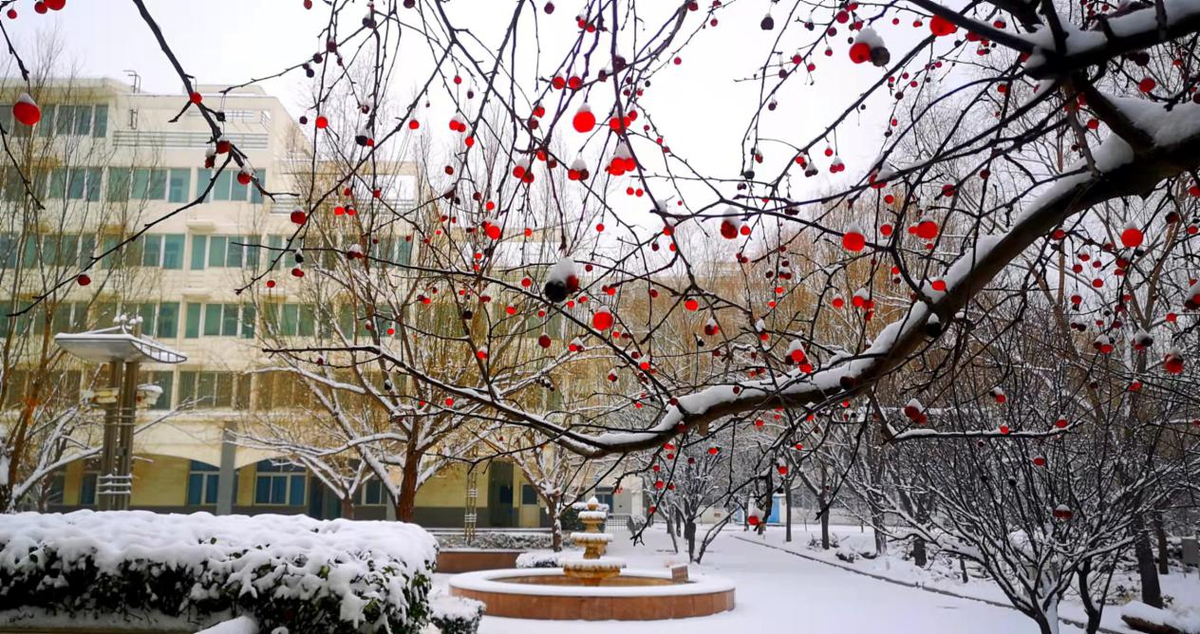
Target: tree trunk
point(823, 500)
point(347, 508)
point(1147, 571)
point(787, 489)
point(406, 503)
point(1161, 534)
point(689, 534)
point(556, 533)
point(918, 552)
point(1093, 611)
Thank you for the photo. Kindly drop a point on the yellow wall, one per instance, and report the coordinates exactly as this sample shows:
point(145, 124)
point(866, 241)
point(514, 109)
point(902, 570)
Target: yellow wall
point(160, 481)
point(449, 488)
point(72, 483)
point(245, 480)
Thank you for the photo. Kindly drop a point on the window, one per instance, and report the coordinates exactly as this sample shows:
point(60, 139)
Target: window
point(292, 320)
point(149, 184)
point(69, 249)
point(165, 251)
point(227, 188)
point(202, 484)
point(100, 125)
point(118, 184)
point(164, 380)
point(528, 495)
point(87, 484)
point(215, 390)
point(220, 320)
point(179, 185)
point(77, 183)
point(225, 251)
point(371, 494)
point(279, 484)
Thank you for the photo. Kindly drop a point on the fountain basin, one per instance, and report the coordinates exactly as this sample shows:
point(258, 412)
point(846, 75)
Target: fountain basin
point(634, 595)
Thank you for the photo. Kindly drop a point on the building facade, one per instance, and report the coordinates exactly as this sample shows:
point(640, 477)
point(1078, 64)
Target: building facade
point(135, 157)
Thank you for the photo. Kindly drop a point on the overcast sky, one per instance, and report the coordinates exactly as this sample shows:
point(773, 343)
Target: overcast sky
point(699, 106)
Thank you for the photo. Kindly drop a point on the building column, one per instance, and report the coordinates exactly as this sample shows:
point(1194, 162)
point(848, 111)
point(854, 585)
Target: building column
point(226, 477)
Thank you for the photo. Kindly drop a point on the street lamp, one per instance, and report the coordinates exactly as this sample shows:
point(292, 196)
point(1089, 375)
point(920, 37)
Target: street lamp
point(124, 351)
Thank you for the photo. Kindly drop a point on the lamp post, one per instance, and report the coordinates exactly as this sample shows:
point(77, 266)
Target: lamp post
point(124, 351)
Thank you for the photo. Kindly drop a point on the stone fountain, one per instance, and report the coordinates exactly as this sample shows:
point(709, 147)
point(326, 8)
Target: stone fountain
point(594, 567)
point(594, 586)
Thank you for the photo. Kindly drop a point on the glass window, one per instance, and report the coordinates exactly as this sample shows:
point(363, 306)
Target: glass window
point(75, 183)
point(100, 127)
point(199, 252)
point(151, 249)
point(87, 488)
point(45, 127)
point(238, 191)
point(289, 324)
point(212, 320)
point(223, 392)
point(216, 251)
point(83, 120)
point(256, 196)
point(229, 321)
point(206, 387)
point(403, 250)
point(307, 321)
point(65, 121)
point(180, 185)
point(528, 495)
point(192, 329)
point(166, 381)
point(58, 183)
point(248, 316)
point(147, 312)
point(221, 190)
point(233, 255)
point(241, 397)
point(118, 184)
point(94, 182)
point(250, 251)
point(168, 320)
point(172, 257)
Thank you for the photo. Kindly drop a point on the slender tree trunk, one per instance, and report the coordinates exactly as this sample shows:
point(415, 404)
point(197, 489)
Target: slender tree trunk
point(406, 503)
point(556, 532)
point(787, 489)
point(823, 500)
point(1147, 571)
point(1093, 611)
point(1161, 534)
point(920, 558)
point(689, 534)
point(347, 508)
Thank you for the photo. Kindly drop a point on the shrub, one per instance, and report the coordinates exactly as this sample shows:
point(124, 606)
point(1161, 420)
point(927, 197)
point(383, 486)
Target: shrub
point(503, 540)
point(306, 575)
point(456, 615)
point(570, 520)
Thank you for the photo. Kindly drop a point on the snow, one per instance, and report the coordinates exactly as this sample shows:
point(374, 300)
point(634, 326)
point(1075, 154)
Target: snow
point(776, 592)
point(240, 625)
point(1187, 620)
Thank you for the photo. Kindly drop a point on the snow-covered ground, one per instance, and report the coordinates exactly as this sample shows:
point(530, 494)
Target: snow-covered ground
point(779, 592)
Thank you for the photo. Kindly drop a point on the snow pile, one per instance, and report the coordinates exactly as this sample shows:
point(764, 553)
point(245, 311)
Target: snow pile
point(544, 558)
point(293, 572)
point(455, 615)
point(1147, 618)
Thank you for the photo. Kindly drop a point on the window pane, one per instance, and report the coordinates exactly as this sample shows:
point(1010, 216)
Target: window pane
point(224, 182)
point(151, 249)
point(248, 316)
point(187, 386)
point(173, 251)
point(233, 257)
point(94, 182)
point(65, 121)
point(255, 195)
point(192, 327)
point(158, 185)
point(46, 125)
point(250, 251)
point(296, 497)
point(180, 185)
point(195, 488)
point(83, 119)
point(58, 183)
point(229, 321)
point(166, 381)
point(403, 250)
point(275, 242)
point(87, 489)
point(210, 488)
point(100, 127)
point(241, 393)
point(278, 489)
point(212, 320)
point(77, 179)
point(168, 320)
point(206, 387)
point(203, 179)
point(223, 393)
point(87, 246)
point(239, 192)
point(141, 184)
point(306, 321)
point(199, 252)
point(216, 251)
point(291, 314)
point(262, 490)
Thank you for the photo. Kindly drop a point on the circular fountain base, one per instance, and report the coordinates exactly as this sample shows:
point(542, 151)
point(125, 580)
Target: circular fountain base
point(635, 595)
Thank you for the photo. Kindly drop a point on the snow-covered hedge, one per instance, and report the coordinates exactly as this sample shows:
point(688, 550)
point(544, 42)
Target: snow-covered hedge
point(456, 615)
point(285, 571)
point(543, 559)
point(502, 540)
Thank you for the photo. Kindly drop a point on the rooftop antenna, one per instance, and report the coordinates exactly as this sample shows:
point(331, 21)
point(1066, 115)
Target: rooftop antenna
point(137, 80)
